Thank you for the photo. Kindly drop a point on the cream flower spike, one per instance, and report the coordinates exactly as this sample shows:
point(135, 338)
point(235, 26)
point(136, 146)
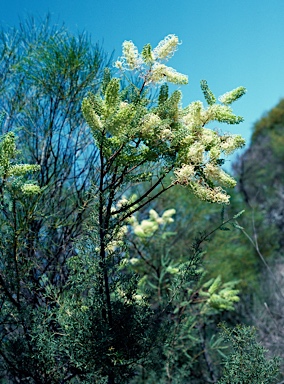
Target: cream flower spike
point(166, 48)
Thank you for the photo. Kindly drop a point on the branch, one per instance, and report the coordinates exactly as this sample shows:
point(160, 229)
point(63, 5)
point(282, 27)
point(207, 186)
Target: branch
point(159, 181)
point(6, 290)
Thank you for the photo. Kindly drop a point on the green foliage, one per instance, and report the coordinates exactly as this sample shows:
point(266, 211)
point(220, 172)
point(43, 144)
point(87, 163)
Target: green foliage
point(15, 185)
point(157, 263)
point(81, 340)
point(106, 79)
point(163, 95)
point(209, 96)
point(112, 96)
point(189, 303)
point(226, 252)
point(247, 363)
point(269, 122)
point(147, 54)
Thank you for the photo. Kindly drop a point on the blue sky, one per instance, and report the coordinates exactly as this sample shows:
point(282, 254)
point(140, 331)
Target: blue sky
point(227, 42)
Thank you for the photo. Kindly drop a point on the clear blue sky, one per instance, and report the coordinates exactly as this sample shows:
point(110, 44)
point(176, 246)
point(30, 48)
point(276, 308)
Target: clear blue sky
point(227, 42)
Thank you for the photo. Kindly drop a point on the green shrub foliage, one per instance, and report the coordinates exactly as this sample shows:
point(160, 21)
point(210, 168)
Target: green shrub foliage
point(247, 362)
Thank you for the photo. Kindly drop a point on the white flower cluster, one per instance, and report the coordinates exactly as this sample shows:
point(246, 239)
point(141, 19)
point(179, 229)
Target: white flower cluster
point(131, 55)
point(167, 132)
point(230, 143)
point(22, 169)
point(149, 62)
point(166, 48)
point(192, 115)
point(202, 150)
point(148, 227)
point(216, 173)
point(30, 189)
point(153, 127)
point(202, 147)
point(184, 174)
point(8, 154)
point(149, 122)
point(213, 195)
point(118, 240)
point(195, 153)
point(209, 137)
point(161, 72)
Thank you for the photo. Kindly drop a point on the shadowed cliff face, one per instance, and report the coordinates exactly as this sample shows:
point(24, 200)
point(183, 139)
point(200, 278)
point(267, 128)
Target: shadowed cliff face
point(260, 170)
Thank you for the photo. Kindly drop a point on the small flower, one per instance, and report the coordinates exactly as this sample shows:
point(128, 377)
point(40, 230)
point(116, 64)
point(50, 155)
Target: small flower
point(149, 122)
point(153, 215)
point(184, 174)
point(122, 202)
point(118, 64)
point(223, 114)
point(226, 179)
point(192, 117)
point(146, 229)
point(211, 171)
point(195, 153)
point(134, 261)
point(215, 153)
point(166, 134)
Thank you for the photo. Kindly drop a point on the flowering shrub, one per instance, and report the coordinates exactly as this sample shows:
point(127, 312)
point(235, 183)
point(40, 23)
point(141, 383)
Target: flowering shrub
point(166, 136)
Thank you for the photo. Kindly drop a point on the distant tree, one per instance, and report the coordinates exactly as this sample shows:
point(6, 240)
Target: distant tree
point(45, 73)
